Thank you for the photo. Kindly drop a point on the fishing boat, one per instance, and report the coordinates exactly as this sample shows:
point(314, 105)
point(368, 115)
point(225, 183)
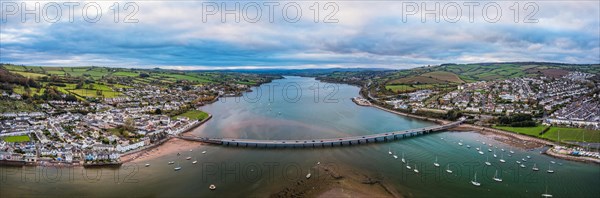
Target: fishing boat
point(496, 178)
point(474, 182)
point(448, 169)
point(436, 162)
point(487, 161)
point(535, 168)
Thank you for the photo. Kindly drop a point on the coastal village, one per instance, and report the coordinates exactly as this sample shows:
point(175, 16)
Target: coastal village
point(98, 131)
point(566, 97)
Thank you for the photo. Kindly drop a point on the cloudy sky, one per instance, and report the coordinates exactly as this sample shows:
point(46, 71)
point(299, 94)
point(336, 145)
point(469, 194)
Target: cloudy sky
point(391, 34)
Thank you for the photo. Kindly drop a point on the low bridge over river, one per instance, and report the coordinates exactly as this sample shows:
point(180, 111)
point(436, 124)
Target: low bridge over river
point(330, 142)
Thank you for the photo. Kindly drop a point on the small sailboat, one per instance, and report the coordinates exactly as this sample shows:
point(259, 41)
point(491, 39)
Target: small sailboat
point(552, 162)
point(460, 143)
point(535, 168)
point(509, 155)
point(487, 161)
point(474, 182)
point(468, 146)
point(549, 169)
point(403, 161)
point(481, 152)
point(523, 159)
point(178, 167)
point(318, 163)
point(395, 156)
point(502, 150)
point(147, 165)
point(483, 143)
point(528, 157)
point(502, 158)
point(496, 178)
point(203, 152)
point(546, 193)
point(308, 175)
point(171, 162)
point(448, 169)
point(212, 187)
point(408, 166)
point(512, 152)
point(436, 163)
point(389, 151)
point(416, 170)
point(188, 158)
point(522, 165)
point(495, 153)
point(518, 162)
point(195, 160)
point(489, 150)
point(478, 148)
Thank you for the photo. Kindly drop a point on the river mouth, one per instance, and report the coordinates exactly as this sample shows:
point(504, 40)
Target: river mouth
point(364, 170)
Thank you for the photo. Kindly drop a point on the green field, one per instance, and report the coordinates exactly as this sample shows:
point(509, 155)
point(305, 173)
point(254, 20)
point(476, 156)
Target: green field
point(20, 138)
point(29, 74)
point(400, 88)
point(445, 76)
point(566, 134)
point(194, 114)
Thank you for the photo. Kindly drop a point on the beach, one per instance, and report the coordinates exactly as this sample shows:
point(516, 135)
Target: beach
point(171, 146)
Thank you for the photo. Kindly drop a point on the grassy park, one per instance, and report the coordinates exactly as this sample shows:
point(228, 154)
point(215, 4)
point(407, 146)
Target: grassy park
point(194, 114)
point(20, 138)
point(566, 134)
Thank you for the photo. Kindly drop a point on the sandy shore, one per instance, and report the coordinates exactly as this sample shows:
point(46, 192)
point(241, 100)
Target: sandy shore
point(341, 182)
point(171, 146)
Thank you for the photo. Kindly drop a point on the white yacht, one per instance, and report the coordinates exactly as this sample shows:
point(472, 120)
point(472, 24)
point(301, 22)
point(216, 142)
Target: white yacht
point(496, 178)
point(474, 181)
point(448, 169)
point(535, 168)
point(487, 162)
point(436, 163)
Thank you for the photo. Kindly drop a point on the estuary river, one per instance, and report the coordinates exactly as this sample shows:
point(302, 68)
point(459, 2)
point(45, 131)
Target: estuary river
point(279, 110)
